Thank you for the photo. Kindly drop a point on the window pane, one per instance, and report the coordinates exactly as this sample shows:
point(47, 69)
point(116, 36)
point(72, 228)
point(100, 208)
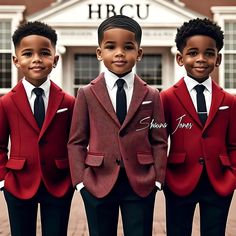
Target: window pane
point(150, 69)
point(5, 70)
point(230, 35)
point(86, 69)
point(5, 54)
point(230, 71)
point(5, 34)
point(230, 54)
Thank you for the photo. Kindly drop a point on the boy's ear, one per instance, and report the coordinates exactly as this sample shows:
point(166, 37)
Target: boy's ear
point(99, 53)
point(56, 58)
point(140, 54)
point(179, 59)
point(218, 60)
point(15, 61)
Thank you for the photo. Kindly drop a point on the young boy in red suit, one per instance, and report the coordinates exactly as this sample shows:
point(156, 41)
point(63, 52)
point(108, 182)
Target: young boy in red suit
point(36, 115)
point(201, 125)
point(116, 156)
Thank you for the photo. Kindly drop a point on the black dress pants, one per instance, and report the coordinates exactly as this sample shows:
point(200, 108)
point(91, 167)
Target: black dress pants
point(54, 213)
point(137, 212)
point(213, 210)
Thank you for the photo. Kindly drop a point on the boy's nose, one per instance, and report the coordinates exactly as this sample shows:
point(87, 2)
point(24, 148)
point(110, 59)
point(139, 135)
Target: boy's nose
point(201, 57)
point(120, 52)
point(37, 58)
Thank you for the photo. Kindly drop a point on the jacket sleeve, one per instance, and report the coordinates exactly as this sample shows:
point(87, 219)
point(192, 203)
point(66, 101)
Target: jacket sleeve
point(79, 138)
point(4, 140)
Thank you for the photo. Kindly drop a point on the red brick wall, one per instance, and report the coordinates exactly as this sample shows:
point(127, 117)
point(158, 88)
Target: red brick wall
point(32, 6)
point(203, 6)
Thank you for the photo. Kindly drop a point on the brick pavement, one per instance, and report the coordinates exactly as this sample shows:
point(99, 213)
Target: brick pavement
point(78, 224)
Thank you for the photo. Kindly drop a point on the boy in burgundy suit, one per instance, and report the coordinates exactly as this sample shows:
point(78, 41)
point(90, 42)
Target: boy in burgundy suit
point(118, 157)
point(36, 115)
point(201, 124)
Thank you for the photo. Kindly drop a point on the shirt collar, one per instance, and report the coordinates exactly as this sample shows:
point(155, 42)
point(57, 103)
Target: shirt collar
point(29, 87)
point(111, 79)
point(191, 83)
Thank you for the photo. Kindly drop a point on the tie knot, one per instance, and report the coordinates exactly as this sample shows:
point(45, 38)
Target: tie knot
point(38, 91)
point(199, 88)
point(120, 83)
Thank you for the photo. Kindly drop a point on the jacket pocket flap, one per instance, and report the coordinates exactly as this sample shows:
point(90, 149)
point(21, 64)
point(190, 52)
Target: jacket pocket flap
point(145, 158)
point(15, 164)
point(94, 159)
point(225, 160)
point(62, 163)
point(176, 158)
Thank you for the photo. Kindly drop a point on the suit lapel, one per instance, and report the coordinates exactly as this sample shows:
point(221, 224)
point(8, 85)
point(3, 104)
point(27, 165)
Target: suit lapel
point(55, 98)
point(139, 92)
point(20, 99)
point(217, 97)
point(100, 91)
point(183, 96)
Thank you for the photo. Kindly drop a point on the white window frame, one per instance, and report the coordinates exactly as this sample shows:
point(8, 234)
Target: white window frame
point(13, 13)
point(220, 15)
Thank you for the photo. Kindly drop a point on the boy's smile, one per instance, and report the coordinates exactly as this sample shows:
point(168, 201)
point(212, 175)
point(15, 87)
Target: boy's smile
point(35, 57)
point(199, 57)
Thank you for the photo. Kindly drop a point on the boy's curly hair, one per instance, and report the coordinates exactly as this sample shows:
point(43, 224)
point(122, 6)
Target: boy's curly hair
point(34, 28)
point(199, 27)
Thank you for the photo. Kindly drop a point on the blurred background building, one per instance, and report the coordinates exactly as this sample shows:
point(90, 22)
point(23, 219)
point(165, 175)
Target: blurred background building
point(76, 23)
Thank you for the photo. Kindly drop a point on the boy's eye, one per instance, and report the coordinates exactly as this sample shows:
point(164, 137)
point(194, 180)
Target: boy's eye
point(210, 54)
point(27, 54)
point(192, 53)
point(109, 46)
point(46, 53)
point(129, 47)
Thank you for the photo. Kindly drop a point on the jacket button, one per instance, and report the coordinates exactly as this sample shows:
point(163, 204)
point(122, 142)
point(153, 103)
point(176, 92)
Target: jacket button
point(201, 161)
point(43, 162)
point(122, 133)
point(42, 142)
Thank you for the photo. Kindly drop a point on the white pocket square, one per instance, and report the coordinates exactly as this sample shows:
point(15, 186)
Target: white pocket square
point(146, 102)
point(62, 110)
point(223, 107)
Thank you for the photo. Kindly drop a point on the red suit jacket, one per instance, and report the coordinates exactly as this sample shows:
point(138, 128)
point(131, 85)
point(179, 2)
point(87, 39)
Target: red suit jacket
point(35, 155)
point(98, 142)
point(191, 144)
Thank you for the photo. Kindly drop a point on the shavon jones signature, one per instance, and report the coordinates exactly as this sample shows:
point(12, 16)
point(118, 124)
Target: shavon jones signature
point(153, 125)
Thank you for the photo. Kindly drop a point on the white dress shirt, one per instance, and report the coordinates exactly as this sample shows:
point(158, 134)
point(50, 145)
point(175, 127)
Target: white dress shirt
point(111, 79)
point(191, 83)
point(31, 95)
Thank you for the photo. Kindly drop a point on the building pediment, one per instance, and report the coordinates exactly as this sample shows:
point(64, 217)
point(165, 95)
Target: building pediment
point(92, 12)
point(76, 21)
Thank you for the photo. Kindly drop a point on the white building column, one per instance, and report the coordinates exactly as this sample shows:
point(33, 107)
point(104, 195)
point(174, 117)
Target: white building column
point(179, 71)
point(57, 73)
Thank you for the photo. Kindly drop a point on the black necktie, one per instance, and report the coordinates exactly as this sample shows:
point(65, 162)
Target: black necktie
point(39, 110)
point(201, 103)
point(121, 105)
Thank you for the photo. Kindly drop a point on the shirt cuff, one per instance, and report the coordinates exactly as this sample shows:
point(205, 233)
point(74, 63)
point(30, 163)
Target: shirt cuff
point(158, 185)
point(2, 184)
point(79, 186)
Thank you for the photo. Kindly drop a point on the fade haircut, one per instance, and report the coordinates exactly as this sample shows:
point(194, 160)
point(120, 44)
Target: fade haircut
point(34, 28)
point(122, 22)
point(199, 27)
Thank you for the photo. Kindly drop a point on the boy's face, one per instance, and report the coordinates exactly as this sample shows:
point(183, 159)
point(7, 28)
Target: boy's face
point(35, 58)
point(199, 57)
point(119, 50)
